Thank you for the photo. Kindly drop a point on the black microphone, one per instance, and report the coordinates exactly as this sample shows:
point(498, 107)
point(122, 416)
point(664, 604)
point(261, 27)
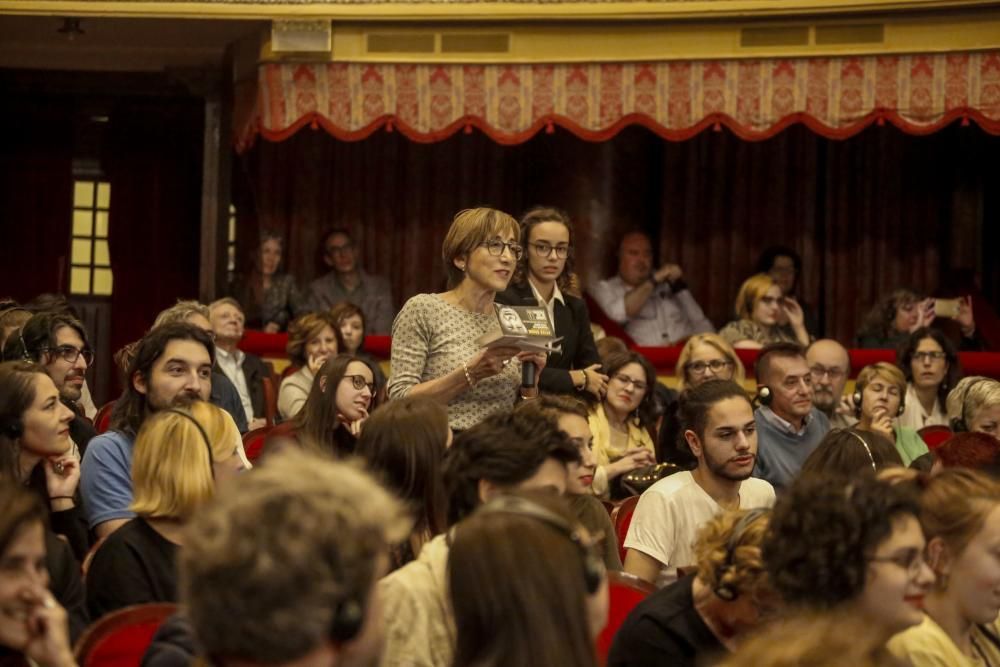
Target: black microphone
point(527, 375)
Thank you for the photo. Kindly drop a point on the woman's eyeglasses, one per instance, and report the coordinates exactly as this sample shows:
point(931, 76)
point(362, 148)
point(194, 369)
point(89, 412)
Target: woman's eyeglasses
point(921, 357)
point(699, 367)
point(496, 246)
point(626, 381)
point(545, 250)
point(359, 382)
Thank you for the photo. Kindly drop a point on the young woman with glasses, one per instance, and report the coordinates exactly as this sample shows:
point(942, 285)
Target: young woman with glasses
point(545, 277)
point(930, 363)
point(760, 310)
point(434, 349)
point(622, 420)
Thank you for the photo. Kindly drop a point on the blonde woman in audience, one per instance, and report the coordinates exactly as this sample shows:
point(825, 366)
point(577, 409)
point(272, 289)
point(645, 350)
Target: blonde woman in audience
point(703, 615)
point(621, 422)
point(960, 514)
point(878, 401)
point(974, 405)
point(434, 349)
point(312, 339)
point(180, 455)
point(759, 310)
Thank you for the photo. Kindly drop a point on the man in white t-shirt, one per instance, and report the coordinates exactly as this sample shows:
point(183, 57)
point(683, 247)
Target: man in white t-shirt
point(719, 427)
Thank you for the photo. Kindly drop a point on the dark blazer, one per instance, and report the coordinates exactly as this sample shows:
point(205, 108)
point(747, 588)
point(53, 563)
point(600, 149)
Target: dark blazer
point(572, 322)
point(255, 370)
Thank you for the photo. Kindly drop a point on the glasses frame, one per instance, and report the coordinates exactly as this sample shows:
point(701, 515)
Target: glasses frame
point(819, 371)
point(562, 251)
point(933, 355)
point(359, 382)
point(496, 247)
point(64, 352)
point(723, 363)
point(638, 385)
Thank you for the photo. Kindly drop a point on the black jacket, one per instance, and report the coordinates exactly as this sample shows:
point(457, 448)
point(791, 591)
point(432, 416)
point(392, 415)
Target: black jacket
point(255, 370)
point(572, 322)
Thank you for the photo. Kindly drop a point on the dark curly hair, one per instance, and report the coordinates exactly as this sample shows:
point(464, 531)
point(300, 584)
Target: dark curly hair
point(825, 529)
point(567, 279)
point(904, 359)
point(879, 320)
point(647, 410)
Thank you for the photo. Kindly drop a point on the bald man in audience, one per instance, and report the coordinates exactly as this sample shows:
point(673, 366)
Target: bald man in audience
point(830, 365)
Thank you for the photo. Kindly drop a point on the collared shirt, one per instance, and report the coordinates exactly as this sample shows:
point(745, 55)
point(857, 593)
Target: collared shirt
point(915, 417)
point(231, 363)
point(373, 295)
point(664, 319)
point(786, 426)
point(550, 305)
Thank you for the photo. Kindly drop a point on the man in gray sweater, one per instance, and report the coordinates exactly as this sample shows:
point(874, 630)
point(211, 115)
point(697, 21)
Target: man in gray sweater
point(789, 427)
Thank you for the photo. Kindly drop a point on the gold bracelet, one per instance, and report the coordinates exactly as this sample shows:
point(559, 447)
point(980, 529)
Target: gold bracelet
point(468, 375)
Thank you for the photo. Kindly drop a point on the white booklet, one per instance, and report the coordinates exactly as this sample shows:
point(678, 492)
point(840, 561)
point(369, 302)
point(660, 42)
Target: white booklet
point(527, 328)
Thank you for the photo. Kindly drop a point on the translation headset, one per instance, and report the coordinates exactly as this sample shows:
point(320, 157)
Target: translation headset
point(593, 567)
point(961, 424)
point(867, 448)
point(764, 394)
point(728, 592)
point(12, 427)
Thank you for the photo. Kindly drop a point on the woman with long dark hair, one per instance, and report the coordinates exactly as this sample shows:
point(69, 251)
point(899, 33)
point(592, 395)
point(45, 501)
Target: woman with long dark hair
point(930, 364)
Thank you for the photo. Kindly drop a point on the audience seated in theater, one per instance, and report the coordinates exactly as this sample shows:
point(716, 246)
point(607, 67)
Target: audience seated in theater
point(172, 367)
point(34, 627)
point(58, 343)
point(760, 310)
point(719, 429)
point(270, 297)
point(245, 371)
point(850, 452)
point(902, 312)
point(351, 323)
point(974, 405)
point(977, 451)
point(12, 318)
point(702, 616)
point(930, 363)
point(830, 366)
point(851, 546)
point(223, 392)
point(789, 427)
point(620, 423)
point(303, 581)
point(346, 281)
point(570, 416)
point(785, 266)
point(312, 339)
point(36, 450)
point(655, 307)
point(960, 515)
point(180, 455)
point(510, 615)
point(434, 349)
point(505, 451)
point(544, 277)
point(704, 357)
point(402, 445)
point(335, 412)
point(878, 399)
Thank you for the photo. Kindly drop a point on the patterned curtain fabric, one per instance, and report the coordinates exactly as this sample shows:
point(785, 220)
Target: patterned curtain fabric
point(834, 97)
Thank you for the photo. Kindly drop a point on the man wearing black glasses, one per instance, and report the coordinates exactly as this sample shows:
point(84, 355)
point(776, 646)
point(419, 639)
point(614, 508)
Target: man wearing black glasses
point(830, 366)
point(59, 343)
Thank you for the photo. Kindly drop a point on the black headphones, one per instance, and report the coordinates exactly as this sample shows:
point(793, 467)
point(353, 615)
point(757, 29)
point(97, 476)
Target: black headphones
point(764, 395)
point(856, 397)
point(12, 427)
point(728, 592)
point(961, 424)
point(593, 567)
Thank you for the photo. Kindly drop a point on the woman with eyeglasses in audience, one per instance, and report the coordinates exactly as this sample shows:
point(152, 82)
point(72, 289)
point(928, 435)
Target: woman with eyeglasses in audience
point(36, 449)
point(34, 627)
point(525, 585)
point(704, 357)
point(434, 348)
point(402, 445)
point(852, 546)
point(930, 363)
point(621, 422)
point(960, 514)
point(312, 339)
point(878, 401)
point(269, 297)
point(544, 277)
point(760, 310)
point(337, 408)
point(180, 456)
point(705, 614)
point(974, 405)
point(351, 324)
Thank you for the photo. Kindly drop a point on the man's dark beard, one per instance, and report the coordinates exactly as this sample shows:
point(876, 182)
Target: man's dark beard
point(719, 469)
point(825, 408)
point(184, 400)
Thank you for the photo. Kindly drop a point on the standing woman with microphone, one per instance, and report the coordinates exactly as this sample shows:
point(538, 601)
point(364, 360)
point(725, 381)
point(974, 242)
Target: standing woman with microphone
point(544, 277)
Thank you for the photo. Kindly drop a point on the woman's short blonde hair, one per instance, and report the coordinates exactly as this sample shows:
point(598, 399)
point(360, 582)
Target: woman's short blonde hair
point(751, 291)
point(734, 560)
point(971, 395)
point(712, 340)
point(171, 469)
point(304, 328)
point(470, 229)
point(882, 369)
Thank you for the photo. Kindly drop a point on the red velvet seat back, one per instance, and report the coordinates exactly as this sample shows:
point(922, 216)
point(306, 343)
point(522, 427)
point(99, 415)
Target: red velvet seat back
point(625, 591)
point(122, 637)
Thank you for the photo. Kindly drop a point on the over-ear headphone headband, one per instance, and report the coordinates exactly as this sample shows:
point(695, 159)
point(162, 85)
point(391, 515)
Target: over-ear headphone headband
point(204, 436)
point(593, 568)
point(867, 448)
point(725, 591)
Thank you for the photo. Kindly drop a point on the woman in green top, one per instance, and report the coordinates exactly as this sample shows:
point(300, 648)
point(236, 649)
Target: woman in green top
point(878, 400)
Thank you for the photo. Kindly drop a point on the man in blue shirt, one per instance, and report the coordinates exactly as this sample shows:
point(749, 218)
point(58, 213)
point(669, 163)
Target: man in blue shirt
point(172, 367)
